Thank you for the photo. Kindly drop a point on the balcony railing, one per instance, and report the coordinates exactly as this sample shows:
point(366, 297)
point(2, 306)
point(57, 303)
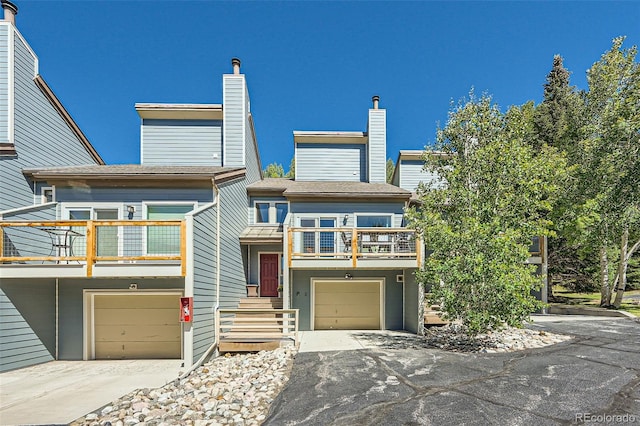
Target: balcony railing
point(93, 242)
point(353, 243)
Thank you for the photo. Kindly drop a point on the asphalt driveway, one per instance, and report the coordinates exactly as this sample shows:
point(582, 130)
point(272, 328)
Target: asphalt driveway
point(595, 376)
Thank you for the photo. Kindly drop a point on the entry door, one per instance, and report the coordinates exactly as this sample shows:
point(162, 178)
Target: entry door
point(269, 274)
point(107, 237)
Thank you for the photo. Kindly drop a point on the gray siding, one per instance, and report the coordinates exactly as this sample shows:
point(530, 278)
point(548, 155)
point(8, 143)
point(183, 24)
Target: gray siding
point(301, 294)
point(412, 172)
point(42, 137)
point(233, 280)
point(411, 297)
point(377, 145)
point(27, 241)
point(4, 83)
point(235, 120)
point(252, 156)
point(27, 322)
point(331, 162)
point(133, 196)
point(204, 280)
point(181, 142)
point(71, 305)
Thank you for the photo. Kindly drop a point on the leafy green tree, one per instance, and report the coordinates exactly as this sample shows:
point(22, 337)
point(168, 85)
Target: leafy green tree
point(609, 159)
point(291, 174)
point(479, 227)
point(390, 168)
point(556, 122)
point(273, 170)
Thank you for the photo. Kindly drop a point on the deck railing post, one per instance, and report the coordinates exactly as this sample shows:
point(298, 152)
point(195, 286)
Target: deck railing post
point(1, 241)
point(354, 247)
point(91, 247)
point(183, 247)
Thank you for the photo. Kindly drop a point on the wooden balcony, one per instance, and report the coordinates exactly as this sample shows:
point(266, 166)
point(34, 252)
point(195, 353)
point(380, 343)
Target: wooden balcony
point(377, 248)
point(95, 248)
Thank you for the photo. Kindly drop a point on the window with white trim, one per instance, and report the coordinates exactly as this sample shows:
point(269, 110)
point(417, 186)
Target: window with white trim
point(270, 212)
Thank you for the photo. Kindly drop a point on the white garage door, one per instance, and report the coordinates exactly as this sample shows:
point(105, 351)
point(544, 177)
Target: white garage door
point(347, 305)
point(137, 326)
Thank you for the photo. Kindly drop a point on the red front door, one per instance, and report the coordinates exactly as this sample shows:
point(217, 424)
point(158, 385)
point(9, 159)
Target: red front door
point(269, 277)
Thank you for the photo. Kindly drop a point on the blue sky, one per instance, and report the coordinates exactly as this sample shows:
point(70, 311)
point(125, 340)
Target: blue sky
point(309, 65)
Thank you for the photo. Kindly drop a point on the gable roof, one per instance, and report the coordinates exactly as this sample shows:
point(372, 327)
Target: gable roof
point(328, 189)
point(55, 102)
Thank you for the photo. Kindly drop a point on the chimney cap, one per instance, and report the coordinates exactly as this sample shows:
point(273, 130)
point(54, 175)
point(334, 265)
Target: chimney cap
point(235, 61)
point(375, 100)
point(7, 5)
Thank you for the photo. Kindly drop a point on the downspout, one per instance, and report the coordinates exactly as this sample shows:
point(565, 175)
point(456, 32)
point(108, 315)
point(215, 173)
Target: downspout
point(57, 318)
point(214, 346)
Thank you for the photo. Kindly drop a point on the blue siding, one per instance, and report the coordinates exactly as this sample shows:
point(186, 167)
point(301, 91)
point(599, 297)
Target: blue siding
point(133, 196)
point(331, 162)
point(411, 298)
point(181, 142)
point(204, 280)
point(412, 172)
point(235, 120)
point(233, 279)
point(4, 83)
point(27, 323)
point(301, 294)
point(377, 145)
point(42, 137)
point(252, 156)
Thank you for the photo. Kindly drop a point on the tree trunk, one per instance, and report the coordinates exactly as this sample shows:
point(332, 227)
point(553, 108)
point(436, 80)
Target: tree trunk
point(622, 268)
point(605, 291)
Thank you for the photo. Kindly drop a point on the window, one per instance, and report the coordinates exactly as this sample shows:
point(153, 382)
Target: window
point(165, 240)
point(373, 221)
point(282, 209)
point(271, 212)
point(108, 238)
point(262, 212)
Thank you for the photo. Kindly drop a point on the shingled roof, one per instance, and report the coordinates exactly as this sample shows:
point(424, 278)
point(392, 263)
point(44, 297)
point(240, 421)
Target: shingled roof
point(134, 172)
point(327, 189)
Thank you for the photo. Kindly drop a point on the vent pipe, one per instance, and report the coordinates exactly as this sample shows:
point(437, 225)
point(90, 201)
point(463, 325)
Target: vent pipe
point(236, 65)
point(376, 100)
point(10, 11)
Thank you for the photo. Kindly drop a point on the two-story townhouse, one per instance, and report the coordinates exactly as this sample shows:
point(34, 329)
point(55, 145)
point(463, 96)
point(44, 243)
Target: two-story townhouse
point(100, 272)
point(333, 240)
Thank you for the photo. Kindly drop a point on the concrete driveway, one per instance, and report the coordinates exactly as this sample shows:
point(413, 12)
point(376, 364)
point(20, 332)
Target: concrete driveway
point(399, 382)
point(59, 392)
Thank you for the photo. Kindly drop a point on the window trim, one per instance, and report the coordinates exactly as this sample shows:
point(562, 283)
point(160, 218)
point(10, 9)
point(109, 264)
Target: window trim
point(43, 198)
point(273, 212)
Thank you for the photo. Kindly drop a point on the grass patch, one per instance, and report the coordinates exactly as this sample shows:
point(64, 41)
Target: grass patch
point(566, 297)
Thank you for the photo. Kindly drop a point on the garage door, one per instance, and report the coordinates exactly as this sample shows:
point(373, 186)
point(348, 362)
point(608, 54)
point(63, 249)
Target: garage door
point(137, 326)
point(347, 305)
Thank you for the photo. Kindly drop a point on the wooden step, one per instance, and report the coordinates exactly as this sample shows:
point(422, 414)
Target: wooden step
point(224, 347)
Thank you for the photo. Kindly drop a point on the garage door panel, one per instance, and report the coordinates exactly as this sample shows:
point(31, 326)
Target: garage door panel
point(136, 301)
point(134, 333)
point(129, 350)
point(136, 326)
point(136, 316)
point(347, 305)
point(347, 323)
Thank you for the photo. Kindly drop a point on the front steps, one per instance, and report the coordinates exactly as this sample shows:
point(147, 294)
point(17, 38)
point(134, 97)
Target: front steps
point(254, 331)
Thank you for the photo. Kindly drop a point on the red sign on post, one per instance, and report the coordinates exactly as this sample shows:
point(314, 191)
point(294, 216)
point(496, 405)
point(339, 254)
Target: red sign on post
point(186, 309)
